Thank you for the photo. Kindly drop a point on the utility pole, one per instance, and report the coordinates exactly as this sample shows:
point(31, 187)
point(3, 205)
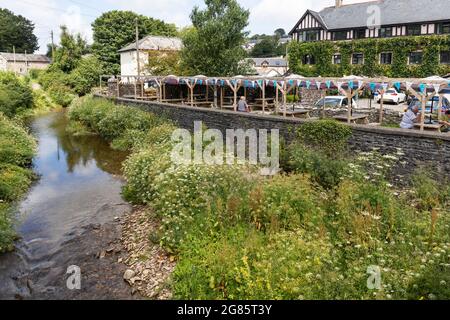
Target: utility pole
point(137, 48)
point(53, 47)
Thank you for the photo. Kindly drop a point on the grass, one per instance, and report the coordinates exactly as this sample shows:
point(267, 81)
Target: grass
point(17, 148)
point(309, 233)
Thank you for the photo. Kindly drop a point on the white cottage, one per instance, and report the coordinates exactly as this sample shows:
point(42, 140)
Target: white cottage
point(128, 54)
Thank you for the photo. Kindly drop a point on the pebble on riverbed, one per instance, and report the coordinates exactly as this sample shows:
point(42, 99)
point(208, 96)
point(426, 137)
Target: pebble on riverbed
point(149, 266)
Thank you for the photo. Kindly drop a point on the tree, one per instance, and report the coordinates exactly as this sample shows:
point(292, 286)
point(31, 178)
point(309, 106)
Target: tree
point(268, 47)
point(16, 31)
point(214, 45)
point(280, 32)
point(115, 29)
point(68, 54)
point(165, 63)
point(86, 75)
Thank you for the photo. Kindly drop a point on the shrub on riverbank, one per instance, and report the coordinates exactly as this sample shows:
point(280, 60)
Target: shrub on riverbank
point(17, 148)
point(118, 124)
point(16, 95)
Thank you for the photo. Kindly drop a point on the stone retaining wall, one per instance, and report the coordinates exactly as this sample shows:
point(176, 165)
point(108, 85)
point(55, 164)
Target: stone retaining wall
point(429, 149)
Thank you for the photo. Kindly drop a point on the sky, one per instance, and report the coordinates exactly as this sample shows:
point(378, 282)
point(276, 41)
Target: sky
point(265, 15)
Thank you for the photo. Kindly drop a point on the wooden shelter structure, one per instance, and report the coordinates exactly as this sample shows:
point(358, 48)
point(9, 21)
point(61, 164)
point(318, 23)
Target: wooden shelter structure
point(423, 89)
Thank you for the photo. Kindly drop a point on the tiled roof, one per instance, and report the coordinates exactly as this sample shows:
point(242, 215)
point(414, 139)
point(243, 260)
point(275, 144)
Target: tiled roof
point(155, 43)
point(20, 57)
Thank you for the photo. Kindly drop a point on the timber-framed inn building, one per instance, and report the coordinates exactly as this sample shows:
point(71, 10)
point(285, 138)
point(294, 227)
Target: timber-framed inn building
point(364, 38)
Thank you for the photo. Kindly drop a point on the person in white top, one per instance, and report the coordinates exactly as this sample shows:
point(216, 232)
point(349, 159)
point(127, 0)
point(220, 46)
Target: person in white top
point(410, 118)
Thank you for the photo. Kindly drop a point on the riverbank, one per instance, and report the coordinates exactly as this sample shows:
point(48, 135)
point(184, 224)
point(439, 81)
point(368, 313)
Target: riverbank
point(309, 233)
point(72, 215)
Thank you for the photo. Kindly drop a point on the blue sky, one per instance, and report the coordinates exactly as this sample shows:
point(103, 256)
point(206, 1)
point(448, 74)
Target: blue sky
point(266, 15)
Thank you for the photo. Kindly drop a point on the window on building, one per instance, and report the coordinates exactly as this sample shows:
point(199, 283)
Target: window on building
point(386, 58)
point(385, 32)
point(339, 35)
point(443, 28)
point(414, 30)
point(357, 58)
point(310, 35)
point(337, 58)
point(359, 33)
point(415, 57)
point(308, 59)
point(445, 57)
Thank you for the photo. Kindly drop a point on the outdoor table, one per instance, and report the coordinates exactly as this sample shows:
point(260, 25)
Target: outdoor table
point(354, 118)
point(296, 113)
point(435, 126)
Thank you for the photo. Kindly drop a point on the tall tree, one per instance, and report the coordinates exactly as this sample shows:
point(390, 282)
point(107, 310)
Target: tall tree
point(115, 29)
point(68, 54)
point(268, 47)
point(16, 31)
point(280, 32)
point(214, 45)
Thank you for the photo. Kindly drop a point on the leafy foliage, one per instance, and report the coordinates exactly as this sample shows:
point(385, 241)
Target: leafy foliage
point(213, 46)
point(323, 51)
point(86, 75)
point(15, 94)
point(268, 47)
point(17, 148)
point(68, 54)
point(115, 29)
point(16, 31)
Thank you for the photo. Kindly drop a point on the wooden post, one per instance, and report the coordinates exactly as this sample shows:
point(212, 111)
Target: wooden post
point(441, 101)
point(215, 96)
point(381, 108)
point(277, 106)
point(323, 94)
point(349, 105)
point(222, 91)
point(207, 91)
point(118, 86)
point(284, 99)
point(263, 89)
point(135, 88)
point(424, 106)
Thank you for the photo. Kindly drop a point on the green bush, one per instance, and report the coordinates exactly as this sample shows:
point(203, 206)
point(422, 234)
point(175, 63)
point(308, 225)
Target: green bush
point(86, 75)
point(244, 264)
point(14, 182)
point(329, 136)
point(285, 203)
point(200, 200)
point(17, 147)
point(15, 94)
point(324, 170)
point(7, 234)
point(58, 86)
point(141, 170)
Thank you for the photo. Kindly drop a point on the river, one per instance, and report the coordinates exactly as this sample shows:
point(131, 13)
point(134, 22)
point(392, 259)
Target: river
point(71, 216)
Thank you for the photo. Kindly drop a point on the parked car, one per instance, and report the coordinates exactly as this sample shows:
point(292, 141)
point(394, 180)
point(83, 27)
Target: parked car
point(335, 102)
point(432, 103)
point(392, 95)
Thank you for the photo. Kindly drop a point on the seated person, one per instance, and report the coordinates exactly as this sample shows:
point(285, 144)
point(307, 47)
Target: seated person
point(410, 118)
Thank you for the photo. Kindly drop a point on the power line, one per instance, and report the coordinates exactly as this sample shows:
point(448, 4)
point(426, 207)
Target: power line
point(53, 8)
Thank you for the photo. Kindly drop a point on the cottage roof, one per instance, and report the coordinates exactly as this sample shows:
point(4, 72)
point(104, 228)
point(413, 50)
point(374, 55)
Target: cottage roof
point(155, 43)
point(393, 12)
point(272, 62)
point(20, 57)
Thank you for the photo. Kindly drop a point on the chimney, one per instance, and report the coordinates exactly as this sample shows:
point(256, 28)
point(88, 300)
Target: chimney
point(339, 3)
